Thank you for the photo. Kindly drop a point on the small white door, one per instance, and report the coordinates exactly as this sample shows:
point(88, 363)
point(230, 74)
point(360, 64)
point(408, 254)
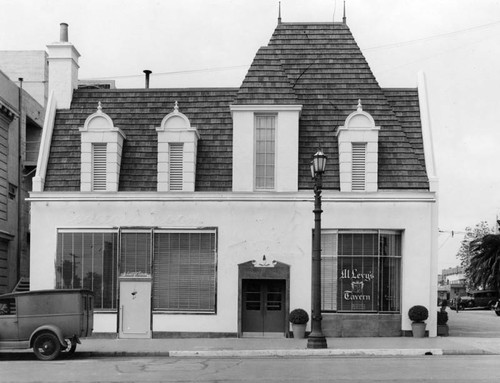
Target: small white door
point(135, 307)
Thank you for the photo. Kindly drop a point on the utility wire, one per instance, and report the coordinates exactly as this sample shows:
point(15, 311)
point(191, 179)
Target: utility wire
point(386, 46)
point(429, 38)
point(213, 69)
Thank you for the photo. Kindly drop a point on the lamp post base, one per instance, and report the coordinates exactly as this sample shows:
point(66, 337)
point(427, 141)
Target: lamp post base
point(316, 342)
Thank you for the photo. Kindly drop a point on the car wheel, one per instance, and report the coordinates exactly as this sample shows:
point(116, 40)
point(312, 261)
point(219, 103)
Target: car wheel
point(46, 346)
point(70, 347)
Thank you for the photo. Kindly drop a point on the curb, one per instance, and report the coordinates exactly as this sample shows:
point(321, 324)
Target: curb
point(266, 353)
point(472, 351)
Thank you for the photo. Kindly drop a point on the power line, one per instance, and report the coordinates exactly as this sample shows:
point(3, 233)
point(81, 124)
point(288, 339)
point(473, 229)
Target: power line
point(440, 36)
point(213, 69)
point(386, 46)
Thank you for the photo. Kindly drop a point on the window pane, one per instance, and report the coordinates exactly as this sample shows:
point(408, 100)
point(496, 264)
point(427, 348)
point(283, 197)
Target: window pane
point(329, 271)
point(264, 152)
point(390, 294)
point(88, 260)
point(135, 253)
point(358, 284)
point(184, 271)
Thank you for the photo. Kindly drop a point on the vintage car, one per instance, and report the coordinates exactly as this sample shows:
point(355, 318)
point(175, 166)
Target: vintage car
point(479, 299)
point(49, 321)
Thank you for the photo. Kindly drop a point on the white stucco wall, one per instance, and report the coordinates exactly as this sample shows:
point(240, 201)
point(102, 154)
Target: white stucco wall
point(250, 225)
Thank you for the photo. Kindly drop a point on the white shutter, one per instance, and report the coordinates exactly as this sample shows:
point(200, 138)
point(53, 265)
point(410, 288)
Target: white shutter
point(358, 166)
point(176, 159)
point(98, 167)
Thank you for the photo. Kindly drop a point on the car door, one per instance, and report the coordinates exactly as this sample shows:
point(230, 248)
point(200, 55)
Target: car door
point(8, 321)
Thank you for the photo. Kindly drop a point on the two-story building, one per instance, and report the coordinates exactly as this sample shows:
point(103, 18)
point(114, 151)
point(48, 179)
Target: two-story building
point(189, 211)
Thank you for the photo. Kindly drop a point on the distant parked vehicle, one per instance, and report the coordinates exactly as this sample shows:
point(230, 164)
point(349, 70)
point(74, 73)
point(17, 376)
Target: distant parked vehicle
point(50, 321)
point(496, 308)
point(479, 299)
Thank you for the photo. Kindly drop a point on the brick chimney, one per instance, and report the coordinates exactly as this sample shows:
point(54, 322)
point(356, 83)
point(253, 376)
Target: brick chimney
point(63, 69)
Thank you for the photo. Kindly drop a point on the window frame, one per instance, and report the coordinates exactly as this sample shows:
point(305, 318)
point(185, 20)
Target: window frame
point(380, 258)
point(256, 154)
point(115, 270)
point(209, 311)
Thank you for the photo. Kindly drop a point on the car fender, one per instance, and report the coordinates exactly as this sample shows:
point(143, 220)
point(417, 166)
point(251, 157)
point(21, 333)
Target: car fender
point(50, 328)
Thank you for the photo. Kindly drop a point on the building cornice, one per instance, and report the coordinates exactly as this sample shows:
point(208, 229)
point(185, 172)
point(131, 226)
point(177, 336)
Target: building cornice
point(301, 196)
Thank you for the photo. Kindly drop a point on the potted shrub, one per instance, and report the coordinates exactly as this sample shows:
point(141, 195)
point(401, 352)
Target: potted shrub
point(418, 314)
point(442, 326)
point(298, 318)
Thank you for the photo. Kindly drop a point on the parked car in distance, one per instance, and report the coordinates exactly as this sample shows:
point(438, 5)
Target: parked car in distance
point(479, 299)
point(49, 321)
point(496, 307)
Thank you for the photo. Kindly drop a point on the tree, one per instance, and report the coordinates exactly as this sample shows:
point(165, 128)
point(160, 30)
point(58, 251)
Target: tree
point(464, 253)
point(484, 266)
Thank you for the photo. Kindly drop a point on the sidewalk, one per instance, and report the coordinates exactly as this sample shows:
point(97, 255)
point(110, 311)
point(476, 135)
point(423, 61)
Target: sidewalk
point(258, 347)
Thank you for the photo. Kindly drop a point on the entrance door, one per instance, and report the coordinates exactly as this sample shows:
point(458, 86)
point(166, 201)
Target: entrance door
point(263, 306)
point(135, 308)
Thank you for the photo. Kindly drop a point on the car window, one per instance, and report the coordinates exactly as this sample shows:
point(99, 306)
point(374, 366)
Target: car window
point(7, 306)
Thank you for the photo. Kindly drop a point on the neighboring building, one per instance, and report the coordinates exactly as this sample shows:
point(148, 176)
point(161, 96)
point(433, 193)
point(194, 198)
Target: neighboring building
point(21, 117)
point(189, 211)
point(451, 283)
point(32, 67)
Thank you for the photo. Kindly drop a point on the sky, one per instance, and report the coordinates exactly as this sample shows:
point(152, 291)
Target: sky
point(205, 43)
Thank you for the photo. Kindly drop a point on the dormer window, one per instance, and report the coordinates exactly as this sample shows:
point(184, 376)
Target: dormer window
point(265, 152)
point(101, 153)
point(358, 152)
point(177, 148)
point(265, 147)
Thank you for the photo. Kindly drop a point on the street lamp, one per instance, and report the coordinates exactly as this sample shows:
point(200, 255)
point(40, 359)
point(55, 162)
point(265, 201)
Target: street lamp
point(316, 338)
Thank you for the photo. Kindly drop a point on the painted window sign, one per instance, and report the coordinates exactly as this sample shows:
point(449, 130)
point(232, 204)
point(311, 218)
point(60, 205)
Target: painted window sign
point(358, 284)
point(361, 271)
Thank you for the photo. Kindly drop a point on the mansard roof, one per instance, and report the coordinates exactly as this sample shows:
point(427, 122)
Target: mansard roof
point(138, 112)
point(318, 66)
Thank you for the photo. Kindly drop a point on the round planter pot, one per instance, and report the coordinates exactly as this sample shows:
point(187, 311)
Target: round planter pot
point(418, 329)
point(443, 330)
point(299, 331)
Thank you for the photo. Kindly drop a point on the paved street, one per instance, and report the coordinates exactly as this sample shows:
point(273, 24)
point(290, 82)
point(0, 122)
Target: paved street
point(334, 369)
point(474, 323)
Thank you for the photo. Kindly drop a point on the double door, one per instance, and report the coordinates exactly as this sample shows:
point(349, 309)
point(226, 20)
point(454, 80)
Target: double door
point(263, 306)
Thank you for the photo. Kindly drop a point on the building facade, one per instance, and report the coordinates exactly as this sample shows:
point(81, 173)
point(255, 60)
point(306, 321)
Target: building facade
point(21, 118)
point(189, 211)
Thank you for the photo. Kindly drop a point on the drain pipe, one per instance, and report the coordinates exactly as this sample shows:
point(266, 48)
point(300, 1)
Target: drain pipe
point(19, 184)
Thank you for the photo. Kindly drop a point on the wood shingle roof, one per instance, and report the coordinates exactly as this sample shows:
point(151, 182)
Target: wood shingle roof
point(318, 66)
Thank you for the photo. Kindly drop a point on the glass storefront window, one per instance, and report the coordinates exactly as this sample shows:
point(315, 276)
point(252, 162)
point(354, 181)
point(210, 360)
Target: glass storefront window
point(361, 271)
point(89, 260)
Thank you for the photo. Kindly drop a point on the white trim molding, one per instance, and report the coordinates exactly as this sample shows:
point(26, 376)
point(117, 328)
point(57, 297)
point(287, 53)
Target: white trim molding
point(46, 141)
point(430, 163)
